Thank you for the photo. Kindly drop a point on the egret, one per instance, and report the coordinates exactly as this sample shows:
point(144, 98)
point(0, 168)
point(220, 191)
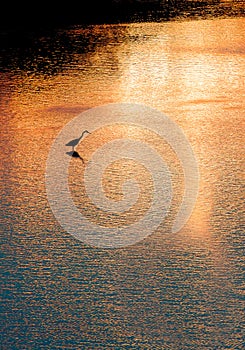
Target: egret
point(75, 142)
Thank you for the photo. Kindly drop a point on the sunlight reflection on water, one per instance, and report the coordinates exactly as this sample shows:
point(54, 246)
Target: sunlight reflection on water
point(181, 291)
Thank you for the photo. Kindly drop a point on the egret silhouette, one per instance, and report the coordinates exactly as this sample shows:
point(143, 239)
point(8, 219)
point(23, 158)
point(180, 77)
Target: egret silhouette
point(75, 142)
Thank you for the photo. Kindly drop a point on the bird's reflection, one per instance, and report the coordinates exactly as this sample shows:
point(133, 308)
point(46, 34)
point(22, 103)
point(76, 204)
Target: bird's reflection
point(75, 154)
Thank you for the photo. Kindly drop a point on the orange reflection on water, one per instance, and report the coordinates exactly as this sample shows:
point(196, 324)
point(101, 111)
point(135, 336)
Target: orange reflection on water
point(192, 71)
point(180, 290)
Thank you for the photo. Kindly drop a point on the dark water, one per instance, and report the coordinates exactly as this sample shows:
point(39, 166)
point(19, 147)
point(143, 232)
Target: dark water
point(169, 291)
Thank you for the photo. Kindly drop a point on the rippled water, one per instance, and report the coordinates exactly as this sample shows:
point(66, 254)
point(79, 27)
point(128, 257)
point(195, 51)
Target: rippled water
point(169, 291)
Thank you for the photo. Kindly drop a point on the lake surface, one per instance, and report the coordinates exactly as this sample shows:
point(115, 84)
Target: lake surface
point(168, 291)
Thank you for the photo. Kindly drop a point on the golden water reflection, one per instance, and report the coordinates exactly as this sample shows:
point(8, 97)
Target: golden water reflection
point(118, 172)
point(193, 71)
point(182, 290)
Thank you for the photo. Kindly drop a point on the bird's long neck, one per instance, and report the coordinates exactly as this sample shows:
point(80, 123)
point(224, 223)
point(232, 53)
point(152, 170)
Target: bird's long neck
point(82, 135)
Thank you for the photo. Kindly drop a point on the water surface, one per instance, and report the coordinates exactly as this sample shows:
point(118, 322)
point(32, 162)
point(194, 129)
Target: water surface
point(170, 291)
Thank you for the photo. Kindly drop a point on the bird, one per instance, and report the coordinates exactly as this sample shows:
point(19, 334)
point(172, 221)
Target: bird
point(75, 142)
